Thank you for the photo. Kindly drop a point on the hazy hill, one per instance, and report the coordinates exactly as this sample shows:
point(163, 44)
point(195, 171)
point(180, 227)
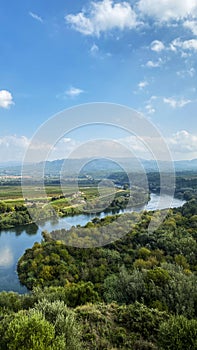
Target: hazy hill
point(89, 166)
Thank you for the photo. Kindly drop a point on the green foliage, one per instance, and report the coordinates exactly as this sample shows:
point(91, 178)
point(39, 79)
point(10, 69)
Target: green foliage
point(178, 333)
point(13, 216)
point(63, 320)
point(158, 269)
point(4, 207)
point(147, 280)
point(72, 294)
point(119, 327)
point(47, 264)
point(11, 301)
point(49, 325)
point(124, 287)
point(167, 287)
point(29, 331)
point(142, 320)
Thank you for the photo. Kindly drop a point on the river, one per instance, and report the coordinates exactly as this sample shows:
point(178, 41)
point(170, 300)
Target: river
point(14, 242)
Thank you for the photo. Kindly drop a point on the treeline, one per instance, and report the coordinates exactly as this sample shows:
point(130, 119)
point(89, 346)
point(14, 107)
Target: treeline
point(18, 214)
point(185, 182)
point(13, 215)
point(138, 292)
point(120, 200)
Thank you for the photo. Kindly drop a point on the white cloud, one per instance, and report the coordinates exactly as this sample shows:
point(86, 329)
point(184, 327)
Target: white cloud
point(13, 147)
point(63, 148)
point(74, 92)
point(133, 143)
point(36, 17)
point(192, 25)
point(6, 99)
point(94, 50)
point(182, 144)
point(184, 45)
point(154, 64)
point(103, 16)
point(157, 46)
point(172, 48)
point(189, 72)
point(146, 147)
point(150, 109)
point(176, 103)
point(167, 10)
point(185, 143)
point(143, 84)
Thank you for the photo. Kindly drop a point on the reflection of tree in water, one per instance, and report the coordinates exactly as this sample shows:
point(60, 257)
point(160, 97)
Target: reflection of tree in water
point(15, 230)
point(30, 230)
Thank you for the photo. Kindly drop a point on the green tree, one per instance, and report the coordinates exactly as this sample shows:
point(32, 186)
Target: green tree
point(63, 320)
point(30, 331)
point(178, 333)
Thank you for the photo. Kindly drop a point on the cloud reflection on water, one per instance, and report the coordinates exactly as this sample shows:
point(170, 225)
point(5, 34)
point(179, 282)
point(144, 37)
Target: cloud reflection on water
point(6, 257)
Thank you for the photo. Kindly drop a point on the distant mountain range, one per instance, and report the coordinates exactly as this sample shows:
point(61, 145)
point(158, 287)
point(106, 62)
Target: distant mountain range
point(97, 166)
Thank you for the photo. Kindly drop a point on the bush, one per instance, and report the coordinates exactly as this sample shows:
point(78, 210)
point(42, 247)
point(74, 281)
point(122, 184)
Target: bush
point(178, 333)
point(29, 331)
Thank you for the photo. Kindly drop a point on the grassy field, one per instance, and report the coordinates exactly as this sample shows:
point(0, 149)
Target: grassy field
point(15, 192)
point(14, 195)
point(10, 192)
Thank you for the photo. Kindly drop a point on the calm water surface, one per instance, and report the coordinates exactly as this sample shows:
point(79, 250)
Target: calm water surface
point(13, 242)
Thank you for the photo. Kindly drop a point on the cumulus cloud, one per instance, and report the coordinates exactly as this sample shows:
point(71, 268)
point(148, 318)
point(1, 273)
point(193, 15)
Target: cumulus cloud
point(63, 148)
point(103, 16)
point(179, 143)
point(184, 44)
point(185, 143)
point(135, 144)
point(154, 64)
point(143, 84)
point(157, 46)
point(176, 103)
point(13, 147)
point(182, 145)
point(167, 10)
point(192, 25)
point(36, 17)
point(6, 99)
point(73, 92)
point(149, 107)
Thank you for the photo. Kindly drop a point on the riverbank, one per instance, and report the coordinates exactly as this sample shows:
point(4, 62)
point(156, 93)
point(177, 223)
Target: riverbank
point(14, 242)
point(14, 213)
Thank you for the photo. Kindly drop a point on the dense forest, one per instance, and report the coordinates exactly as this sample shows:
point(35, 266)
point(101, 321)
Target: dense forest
point(136, 293)
point(18, 215)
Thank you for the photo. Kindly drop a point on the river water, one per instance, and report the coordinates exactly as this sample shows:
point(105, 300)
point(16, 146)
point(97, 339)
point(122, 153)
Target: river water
point(14, 242)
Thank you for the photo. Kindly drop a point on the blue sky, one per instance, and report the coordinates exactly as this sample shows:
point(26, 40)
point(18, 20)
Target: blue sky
point(58, 54)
